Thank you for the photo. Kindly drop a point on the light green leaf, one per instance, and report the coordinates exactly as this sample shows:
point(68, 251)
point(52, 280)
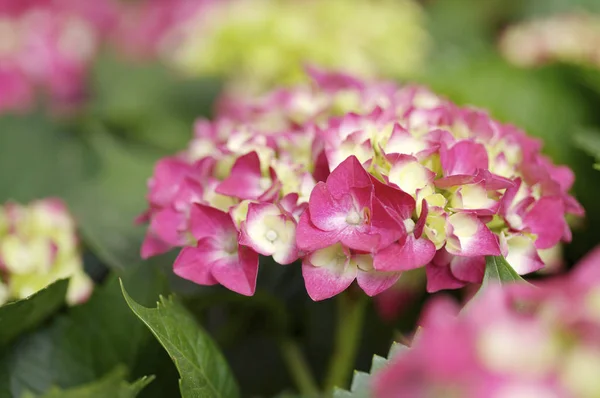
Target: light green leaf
point(361, 383)
point(203, 369)
point(23, 315)
point(113, 385)
point(497, 269)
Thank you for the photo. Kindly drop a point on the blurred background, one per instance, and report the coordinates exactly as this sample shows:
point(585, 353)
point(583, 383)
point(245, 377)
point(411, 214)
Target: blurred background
point(93, 93)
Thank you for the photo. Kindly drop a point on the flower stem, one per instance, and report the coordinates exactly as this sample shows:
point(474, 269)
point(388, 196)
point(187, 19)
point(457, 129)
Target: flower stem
point(351, 311)
point(298, 368)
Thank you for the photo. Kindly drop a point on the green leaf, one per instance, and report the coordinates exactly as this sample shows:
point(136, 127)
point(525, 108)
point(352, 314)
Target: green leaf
point(361, 383)
point(39, 158)
point(113, 385)
point(589, 141)
point(203, 369)
point(148, 103)
point(85, 343)
point(497, 269)
point(107, 203)
point(23, 315)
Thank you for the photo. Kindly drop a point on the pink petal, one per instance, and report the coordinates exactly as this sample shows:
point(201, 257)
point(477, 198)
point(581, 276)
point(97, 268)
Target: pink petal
point(468, 236)
point(521, 253)
point(395, 200)
point(244, 180)
point(388, 227)
point(192, 264)
point(168, 225)
point(546, 220)
point(348, 174)
point(465, 157)
point(310, 238)
point(153, 246)
point(420, 225)
point(238, 274)
point(168, 174)
point(491, 181)
point(208, 221)
point(440, 278)
point(326, 213)
point(190, 191)
point(358, 240)
point(327, 281)
point(374, 282)
point(468, 269)
point(412, 253)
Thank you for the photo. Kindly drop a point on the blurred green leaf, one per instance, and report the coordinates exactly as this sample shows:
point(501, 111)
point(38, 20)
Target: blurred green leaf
point(112, 385)
point(38, 158)
point(107, 203)
point(361, 382)
point(498, 270)
point(203, 369)
point(541, 8)
point(85, 343)
point(23, 315)
point(148, 103)
point(589, 141)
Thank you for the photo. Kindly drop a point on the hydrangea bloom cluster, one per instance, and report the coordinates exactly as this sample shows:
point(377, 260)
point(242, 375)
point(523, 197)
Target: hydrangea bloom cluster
point(38, 246)
point(359, 181)
point(262, 43)
point(46, 46)
point(570, 38)
point(511, 341)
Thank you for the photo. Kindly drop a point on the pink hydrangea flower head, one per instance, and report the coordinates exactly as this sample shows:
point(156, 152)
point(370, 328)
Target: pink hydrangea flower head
point(509, 341)
point(363, 181)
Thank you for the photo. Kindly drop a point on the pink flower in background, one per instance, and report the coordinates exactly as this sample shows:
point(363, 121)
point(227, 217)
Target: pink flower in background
point(48, 46)
point(515, 340)
point(16, 92)
point(361, 181)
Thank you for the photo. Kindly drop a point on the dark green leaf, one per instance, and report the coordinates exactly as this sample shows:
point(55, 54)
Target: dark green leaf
point(589, 141)
point(361, 383)
point(23, 315)
point(497, 269)
point(113, 385)
point(203, 369)
point(84, 344)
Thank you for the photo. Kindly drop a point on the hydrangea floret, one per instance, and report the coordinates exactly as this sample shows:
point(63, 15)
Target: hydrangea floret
point(38, 246)
point(356, 181)
point(511, 341)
